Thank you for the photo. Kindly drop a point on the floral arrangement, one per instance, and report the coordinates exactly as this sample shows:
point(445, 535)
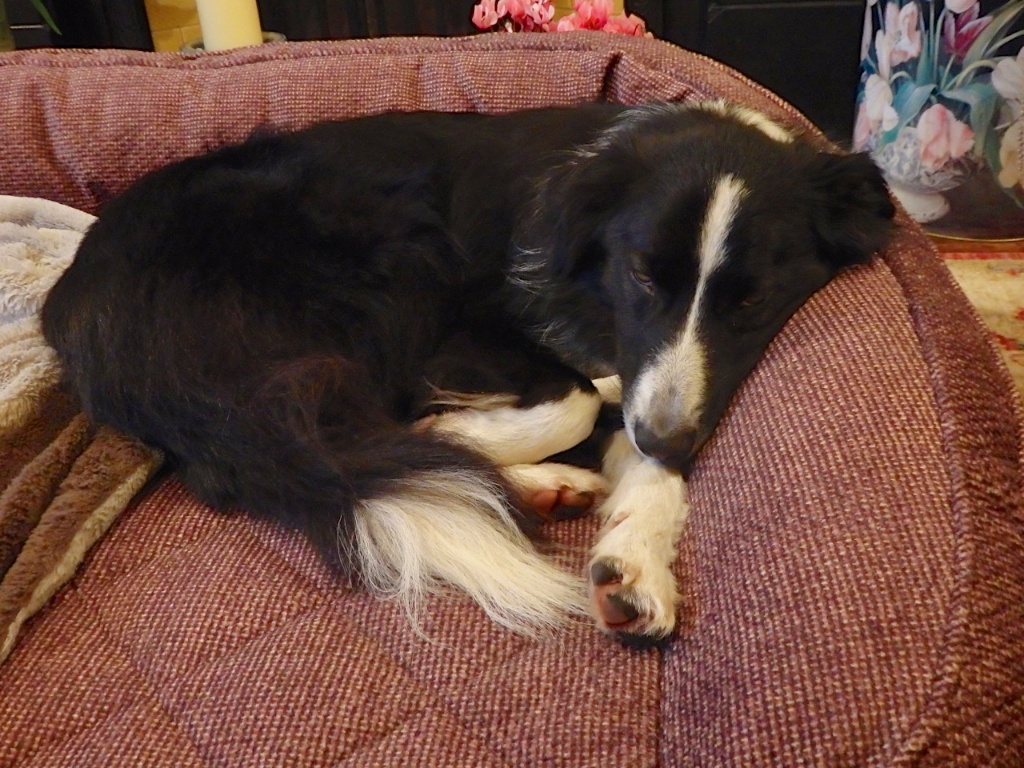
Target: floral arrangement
point(538, 16)
point(939, 97)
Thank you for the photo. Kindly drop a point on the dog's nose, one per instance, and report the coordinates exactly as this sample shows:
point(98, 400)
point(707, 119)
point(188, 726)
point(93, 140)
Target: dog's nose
point(674, 450)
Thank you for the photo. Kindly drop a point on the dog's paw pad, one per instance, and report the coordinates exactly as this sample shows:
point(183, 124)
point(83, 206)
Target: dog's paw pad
point(558, 492)
point(563, 503)
point(570, 497)
point(611, 600)
point(573, 503)
point(637, 614)
point(544, 501)
point(616, 609)
point(605, 571)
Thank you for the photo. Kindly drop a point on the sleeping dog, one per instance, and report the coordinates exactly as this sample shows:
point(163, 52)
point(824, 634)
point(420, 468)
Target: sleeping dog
point(385, 331)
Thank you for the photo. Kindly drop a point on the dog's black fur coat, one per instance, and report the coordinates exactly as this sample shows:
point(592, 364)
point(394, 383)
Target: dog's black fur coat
point(275, 315)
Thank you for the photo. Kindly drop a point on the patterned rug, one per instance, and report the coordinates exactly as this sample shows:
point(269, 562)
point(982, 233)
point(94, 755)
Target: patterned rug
point(994, 283)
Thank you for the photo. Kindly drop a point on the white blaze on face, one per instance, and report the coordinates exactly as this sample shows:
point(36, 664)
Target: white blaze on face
point(670, 392)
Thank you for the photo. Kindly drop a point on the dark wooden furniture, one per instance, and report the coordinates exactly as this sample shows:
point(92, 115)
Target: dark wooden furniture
point(807, 51)
point(26, 25)
point(83, 24)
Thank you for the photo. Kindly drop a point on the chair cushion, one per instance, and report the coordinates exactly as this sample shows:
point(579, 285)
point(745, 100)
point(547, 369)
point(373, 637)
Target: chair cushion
point(853, 569)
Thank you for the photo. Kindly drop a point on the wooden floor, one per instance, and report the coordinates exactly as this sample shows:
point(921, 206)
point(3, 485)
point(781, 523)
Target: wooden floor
point(957, 245)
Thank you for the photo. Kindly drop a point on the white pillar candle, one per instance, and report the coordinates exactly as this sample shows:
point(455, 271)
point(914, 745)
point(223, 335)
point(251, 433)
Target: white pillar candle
point(229, 23)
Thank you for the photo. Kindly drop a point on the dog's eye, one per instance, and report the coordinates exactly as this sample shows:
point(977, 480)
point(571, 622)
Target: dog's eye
point(751, 300)
point(638, 271)
point(642, 279)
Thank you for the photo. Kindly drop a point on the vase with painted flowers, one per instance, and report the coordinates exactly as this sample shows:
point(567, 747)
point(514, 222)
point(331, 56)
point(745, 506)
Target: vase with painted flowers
point(941, 109)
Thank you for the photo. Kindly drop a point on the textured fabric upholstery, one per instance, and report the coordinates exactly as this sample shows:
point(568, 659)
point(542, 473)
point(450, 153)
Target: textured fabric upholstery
point(853, 570)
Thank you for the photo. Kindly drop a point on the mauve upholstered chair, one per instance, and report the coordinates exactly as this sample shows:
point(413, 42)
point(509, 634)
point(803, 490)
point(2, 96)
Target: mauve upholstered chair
point(853, 569)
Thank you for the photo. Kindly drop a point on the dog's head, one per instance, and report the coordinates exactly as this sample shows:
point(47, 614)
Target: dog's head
point(703, 229)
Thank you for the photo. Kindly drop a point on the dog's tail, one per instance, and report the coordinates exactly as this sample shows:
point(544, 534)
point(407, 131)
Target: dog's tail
point(456, 526)
point(408, 510)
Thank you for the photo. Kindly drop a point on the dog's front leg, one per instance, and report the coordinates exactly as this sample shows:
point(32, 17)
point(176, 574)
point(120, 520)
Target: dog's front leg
point(632, 588)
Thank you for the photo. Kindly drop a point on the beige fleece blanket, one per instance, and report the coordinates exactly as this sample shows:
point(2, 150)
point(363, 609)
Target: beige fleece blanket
point(63, 481)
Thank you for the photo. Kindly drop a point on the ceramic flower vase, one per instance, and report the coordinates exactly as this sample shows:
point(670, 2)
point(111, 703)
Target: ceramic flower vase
point(941, 110)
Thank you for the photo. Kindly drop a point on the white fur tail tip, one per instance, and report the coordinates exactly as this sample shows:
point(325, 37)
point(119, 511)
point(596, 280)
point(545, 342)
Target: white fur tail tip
point(452, 527)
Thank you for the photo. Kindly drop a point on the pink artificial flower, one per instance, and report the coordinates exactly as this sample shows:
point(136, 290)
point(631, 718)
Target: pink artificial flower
point(959, 32)
point(586, 14)
point(526, 15)
point(515, 10)
point(942, 137)
point(597, 15)
point(537, 15)
point(568, 23)
point(541, 12)
point(485, 14)
point(627, 25)
point(594, 14)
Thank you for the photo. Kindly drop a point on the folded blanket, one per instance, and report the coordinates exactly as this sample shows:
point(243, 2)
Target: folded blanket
point(64, 481)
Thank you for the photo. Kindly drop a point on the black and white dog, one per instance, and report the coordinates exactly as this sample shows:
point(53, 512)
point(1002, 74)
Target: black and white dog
point(379, 331)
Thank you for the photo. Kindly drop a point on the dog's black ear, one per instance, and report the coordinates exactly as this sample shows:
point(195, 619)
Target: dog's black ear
point(852, 209)
point(576, 203)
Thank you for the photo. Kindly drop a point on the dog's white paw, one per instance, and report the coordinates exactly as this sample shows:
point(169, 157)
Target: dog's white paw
point(632, 589)
point(633, 592)
point(557, 491)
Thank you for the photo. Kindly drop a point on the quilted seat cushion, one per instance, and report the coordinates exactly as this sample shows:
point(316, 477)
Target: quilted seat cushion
point(81, 126)
point(853, 570)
